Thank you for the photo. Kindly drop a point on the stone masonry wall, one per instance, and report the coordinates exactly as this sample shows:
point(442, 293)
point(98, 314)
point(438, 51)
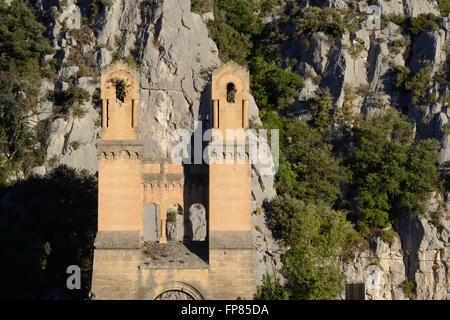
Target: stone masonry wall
point(117, 275)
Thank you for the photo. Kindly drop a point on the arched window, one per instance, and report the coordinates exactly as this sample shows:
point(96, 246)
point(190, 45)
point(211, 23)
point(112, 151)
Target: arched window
point(231, 92)
point(152, 222)
point(122, 88)
point(174, 295)
point(174, 223)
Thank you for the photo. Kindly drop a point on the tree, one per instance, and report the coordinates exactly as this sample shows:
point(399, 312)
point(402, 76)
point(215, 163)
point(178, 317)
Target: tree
point(314, 19)
point(392, 173)
point(308, 169)
point(46, 224)
point(316, 235)
point(273, 87)
point(232, 28)
point(22, 48)
point(321, 107)
point(271, 290)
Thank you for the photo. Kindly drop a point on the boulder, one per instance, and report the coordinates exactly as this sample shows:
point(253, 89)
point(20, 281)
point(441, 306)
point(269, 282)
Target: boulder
point(71, 16)
point(68, 72)
point(197, 223)
point(102, 57)
point(416, 7)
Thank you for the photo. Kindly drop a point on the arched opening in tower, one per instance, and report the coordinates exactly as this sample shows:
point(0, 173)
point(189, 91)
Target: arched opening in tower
point(175, 222)
point(152, 222)
point(231, 92)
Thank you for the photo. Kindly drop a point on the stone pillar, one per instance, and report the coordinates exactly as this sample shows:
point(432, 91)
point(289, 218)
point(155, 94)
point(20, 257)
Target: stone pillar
point(244, 114)
point(134, 110)
point(163, 211)
point(216, 113)
point(104, 113)
point(163, 238)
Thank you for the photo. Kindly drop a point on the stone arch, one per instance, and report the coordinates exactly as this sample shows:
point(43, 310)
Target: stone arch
point(178, 289)
point(197, 226)
point(125, 154)
point(175, 227)
point(231, 92)
point(152, 222)
point(230, 72)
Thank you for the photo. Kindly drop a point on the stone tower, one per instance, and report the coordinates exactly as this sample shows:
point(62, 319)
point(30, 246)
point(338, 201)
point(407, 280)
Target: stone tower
point(120, 152)
point(119, 179)
point(229, 171)
point(230, 181)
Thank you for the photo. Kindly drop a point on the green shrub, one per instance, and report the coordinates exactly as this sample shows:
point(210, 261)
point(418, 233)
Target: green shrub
point(232, 44)
point(7, 168)
point(22, 47)
point(236, 23)
point(316, 235)
point(422, 22)
point(314, 19)
point(418, 85)
point(270, 289)
point(75, 145)
point(436, 217)
point(95, 7)
point(172, 216)
point(356, 50)
point(392, 174)
point(444, 7)
point(413, 25)
point(446, 128)
point(75, 96)
point(398, 19)
point(322, 108)
point(201, 6)
point(53, 161)
point(408, 288)
point(374, 208)
point(21, 37)
point(388, 236)
point(121, 86)
point(301, 171)
point(273, 88)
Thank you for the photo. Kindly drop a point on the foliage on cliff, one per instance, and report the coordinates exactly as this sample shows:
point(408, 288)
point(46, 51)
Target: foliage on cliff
point(22, 48)
point(392, 174)
point(373, 171)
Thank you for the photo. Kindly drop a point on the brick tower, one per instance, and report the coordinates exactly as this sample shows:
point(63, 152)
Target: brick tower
point(119, 167)
point(231, 244)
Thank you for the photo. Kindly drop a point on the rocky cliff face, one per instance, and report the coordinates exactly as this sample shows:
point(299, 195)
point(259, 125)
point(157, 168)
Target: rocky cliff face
point(176, 55)
point(361, 64)
point(419, 255)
